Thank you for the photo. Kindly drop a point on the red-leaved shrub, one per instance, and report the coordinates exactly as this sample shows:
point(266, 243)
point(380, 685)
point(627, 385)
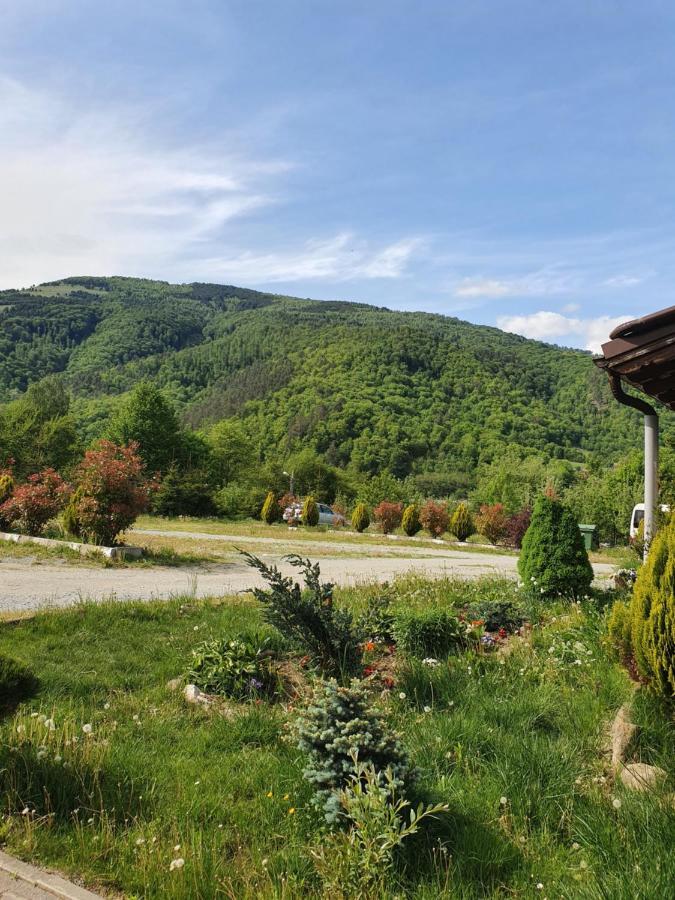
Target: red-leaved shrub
point(388, 516)
point(435, 517)
point(491, 522)
point(34, 503)
point(111, 492)
point(516, 526)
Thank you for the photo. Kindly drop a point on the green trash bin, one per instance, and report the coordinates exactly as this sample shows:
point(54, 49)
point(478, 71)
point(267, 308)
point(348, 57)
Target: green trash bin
point(589, 534)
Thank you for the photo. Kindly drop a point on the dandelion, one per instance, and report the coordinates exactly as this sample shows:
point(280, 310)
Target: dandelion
point(270, 794)
point(427, 709)
point(42, 752)
point(291, 810)
point(25, 811)
point(33, 715)
point(140, 841)
point(106, 706)
point(583, 864)
point(197, 782)
point(50, 724)
point(88, 728)
point(401, 696)
point(616, 803)
point(540, 886)
point(57, 759)
point(176, 848)
point(20, 729)
point(42, 719)
point(287, 796)
point(264, 862)
point(503, 801)
point(451, 703)
point(90, 821)
point(196, 628)
point(576, 846)
point(177, 863)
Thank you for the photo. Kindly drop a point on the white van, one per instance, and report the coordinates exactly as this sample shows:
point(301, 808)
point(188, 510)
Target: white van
point(638, 515)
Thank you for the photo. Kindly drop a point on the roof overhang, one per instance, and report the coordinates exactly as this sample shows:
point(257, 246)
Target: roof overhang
point(642, 354)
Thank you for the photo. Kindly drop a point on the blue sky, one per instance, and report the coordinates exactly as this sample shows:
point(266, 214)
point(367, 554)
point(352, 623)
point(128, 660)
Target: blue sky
point(511, 163)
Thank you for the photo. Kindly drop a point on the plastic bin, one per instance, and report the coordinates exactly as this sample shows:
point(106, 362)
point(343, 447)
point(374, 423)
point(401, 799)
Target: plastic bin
point(590, 535)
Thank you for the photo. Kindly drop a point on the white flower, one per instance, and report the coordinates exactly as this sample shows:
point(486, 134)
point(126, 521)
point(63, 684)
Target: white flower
point(431, 661)
point(196, 628)
point(42, 752)
point(540, 886)
point(451, 703)
point(106, 706)
point(50, 724)
point(25, 811)
point(576, 846)
point(176, 848)
point(33, 715)
point(197, 781)
point(616, 803)
point(427, 709)
point(20, 729)
point(503, 801)
point(88, 728)
point(176, 864)
point(57, 759)
point(42, 719)
point(401, 696)
point(140, 841)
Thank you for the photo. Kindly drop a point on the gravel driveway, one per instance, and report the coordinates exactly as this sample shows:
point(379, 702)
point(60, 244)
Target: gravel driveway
point(25, 585)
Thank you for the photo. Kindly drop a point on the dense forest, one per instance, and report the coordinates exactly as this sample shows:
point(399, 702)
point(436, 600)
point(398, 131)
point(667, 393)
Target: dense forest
point(369, 391)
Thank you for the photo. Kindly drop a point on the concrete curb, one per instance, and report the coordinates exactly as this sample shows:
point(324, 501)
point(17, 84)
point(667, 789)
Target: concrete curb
point(46, 881)
point(82, 549)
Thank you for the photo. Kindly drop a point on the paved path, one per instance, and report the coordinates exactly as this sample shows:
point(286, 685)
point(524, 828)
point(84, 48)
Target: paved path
point(21, 881)
point(25, 586)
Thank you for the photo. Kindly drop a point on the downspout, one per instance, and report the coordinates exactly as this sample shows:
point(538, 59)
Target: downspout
point(651, 453)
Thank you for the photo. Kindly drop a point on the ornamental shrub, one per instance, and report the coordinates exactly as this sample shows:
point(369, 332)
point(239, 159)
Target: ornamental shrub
point(239, 668)
point(184, 492)
point(652, 615)
point(310, 512)
point(431, 633)
point(271, 511)
point(461, 523)
point(309, 618)
point(33, 504)
point(619, 631)
point(410, 521)
point(112, 491)
point(435, 518)
point(388, 516)
point(516, 526)
point(553, 560)
point(491, 522)
point(360, 517)
point(339, 730)
point(6, 488)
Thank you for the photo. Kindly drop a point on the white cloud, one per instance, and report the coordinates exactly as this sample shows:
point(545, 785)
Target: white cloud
point(545, 282)
point(546, 325)
point(339, 258)
point(624, 281)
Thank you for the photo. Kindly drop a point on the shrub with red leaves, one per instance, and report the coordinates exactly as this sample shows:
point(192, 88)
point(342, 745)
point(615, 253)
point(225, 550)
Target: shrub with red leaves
point(435, 517)
point(37, 501)
point(516, 526)
point(491, 522)
point(111, 491)
point(388, 516)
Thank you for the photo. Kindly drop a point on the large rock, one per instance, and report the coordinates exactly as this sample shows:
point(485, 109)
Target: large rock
point(621, 735)
point(192, 694)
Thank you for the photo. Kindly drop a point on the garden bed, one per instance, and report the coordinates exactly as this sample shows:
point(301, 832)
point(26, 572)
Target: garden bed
point(110, 776)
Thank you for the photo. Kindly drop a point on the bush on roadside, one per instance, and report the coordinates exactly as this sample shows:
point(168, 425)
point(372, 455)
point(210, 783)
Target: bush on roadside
point(388, 516)
point(339, 730)
point(240, 500)
point(410, 521)
point(376, 622)
point(553, 560)
point(516, 527)
point(430, 633)
point(360, 517)
point(111, 492)
point(34, 503)
point(310, 512)
point(491, 522)
point(239, 668)
point(271, 511)
point(6, 488)
point(462, 524)
point(323, 631)
point(435, 518)
point(619, 632)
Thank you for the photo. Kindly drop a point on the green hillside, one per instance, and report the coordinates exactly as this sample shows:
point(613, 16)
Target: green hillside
point(366, 387)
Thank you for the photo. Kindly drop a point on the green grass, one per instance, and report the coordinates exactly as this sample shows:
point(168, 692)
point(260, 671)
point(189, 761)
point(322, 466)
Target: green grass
point(159, 555)
point(528, 727)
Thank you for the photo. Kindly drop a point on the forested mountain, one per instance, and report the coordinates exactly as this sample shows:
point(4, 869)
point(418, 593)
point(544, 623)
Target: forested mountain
point(368, 388)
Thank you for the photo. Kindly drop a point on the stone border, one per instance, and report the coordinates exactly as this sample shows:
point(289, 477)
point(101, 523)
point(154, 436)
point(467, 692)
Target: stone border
point(82, 549)
point(46, 881)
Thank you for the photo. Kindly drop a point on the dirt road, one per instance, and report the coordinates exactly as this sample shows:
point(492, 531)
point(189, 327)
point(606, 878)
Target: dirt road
point(25, 585)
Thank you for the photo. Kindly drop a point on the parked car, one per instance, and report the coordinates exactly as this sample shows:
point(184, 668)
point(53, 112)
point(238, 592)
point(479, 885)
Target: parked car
point(638, 515)
point(327, 516)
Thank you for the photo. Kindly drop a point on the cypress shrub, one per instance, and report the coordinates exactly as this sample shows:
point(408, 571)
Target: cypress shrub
point(6, 486)
point(652, 615)
point(553, 558)
point(360, 517)
point(310, 512)
point(411, 520)
point(461, 523)
point(271, 511)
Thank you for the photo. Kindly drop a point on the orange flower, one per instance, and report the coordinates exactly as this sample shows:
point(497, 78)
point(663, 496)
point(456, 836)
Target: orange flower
point(370, 645)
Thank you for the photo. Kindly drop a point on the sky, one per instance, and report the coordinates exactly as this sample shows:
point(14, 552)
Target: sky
point(504, 161)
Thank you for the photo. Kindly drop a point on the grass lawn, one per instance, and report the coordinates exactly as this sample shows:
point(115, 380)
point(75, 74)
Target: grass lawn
point(512, 743)
point(157, 553)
